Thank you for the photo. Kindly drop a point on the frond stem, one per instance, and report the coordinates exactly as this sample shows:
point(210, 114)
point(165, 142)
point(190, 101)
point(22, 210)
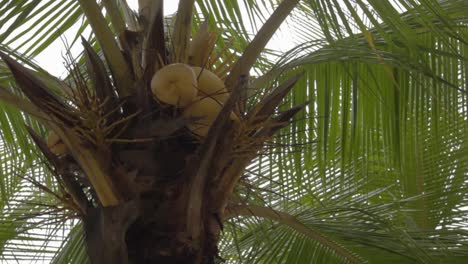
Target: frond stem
point(254, 49)
point(106, 39)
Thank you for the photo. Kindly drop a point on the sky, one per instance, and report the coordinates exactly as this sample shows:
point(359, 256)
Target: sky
point(170, 6)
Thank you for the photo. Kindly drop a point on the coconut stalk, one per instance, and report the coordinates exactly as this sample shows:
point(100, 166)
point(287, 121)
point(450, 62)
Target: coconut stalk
point(148, 186)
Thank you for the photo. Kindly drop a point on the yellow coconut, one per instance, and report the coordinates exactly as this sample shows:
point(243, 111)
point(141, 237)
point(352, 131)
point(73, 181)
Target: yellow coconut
point(209, 84)
point(205, 109)
point(175, 84)
point(55, 144)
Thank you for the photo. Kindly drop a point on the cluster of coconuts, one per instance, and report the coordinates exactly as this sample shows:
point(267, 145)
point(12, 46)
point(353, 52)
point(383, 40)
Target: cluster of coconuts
point(197, 91)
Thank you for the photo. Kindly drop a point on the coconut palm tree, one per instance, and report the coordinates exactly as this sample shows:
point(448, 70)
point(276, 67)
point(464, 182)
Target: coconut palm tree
point(185, 139)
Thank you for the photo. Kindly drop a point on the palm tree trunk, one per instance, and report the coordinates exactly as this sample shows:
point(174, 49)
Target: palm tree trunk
point(150, 230)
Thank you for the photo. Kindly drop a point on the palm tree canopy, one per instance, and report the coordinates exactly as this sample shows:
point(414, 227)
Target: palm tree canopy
point(375, 169)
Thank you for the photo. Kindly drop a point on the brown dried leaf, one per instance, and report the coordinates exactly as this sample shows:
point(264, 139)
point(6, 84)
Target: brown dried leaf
point(155, 46)
point(280, 121)
point(200, 48)
point(265, 108)
point(182, 30)
point(100, 77)
point(38, 92)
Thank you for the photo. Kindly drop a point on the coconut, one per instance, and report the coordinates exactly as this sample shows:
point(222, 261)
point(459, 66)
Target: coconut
point(209, 84)
point(204, 110)
point(175, 84)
